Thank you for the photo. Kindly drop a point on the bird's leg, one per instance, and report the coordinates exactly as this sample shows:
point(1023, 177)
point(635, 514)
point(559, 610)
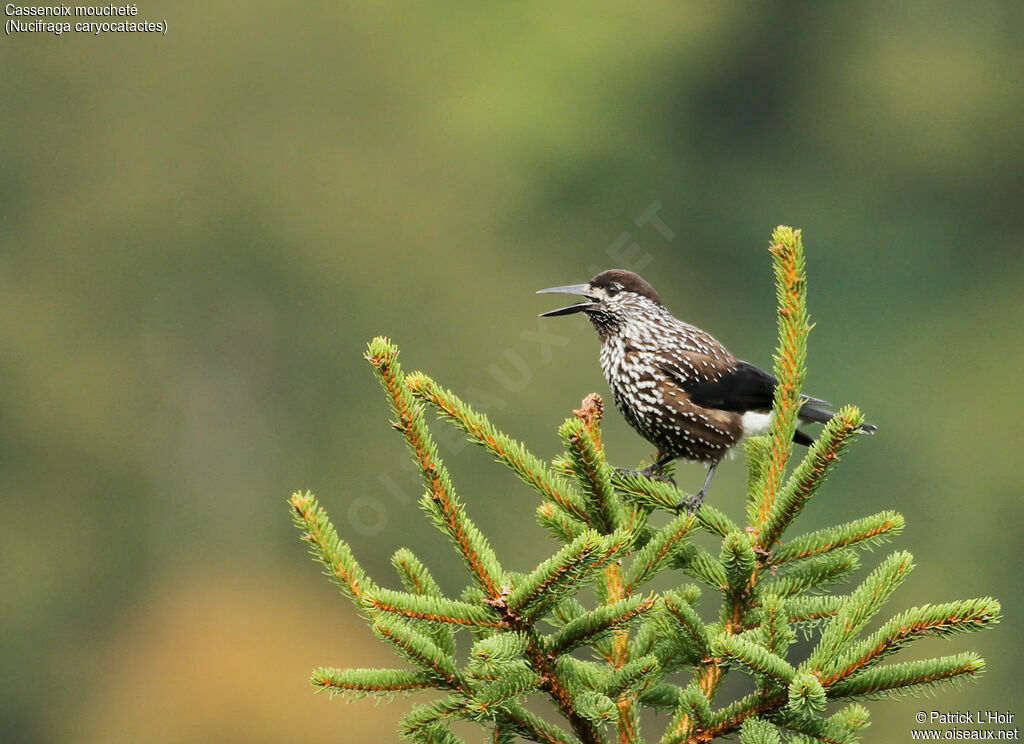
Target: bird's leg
point(692, 503)
point(651, 471)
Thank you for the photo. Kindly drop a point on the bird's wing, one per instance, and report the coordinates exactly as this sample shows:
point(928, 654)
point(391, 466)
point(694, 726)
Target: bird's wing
point(731, 385)
point(736, 386)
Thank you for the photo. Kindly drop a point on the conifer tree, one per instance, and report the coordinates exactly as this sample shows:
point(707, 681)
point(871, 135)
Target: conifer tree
point(583, 632)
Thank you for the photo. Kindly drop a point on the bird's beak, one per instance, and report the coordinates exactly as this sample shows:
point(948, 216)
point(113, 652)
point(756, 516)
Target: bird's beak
point(576, 289)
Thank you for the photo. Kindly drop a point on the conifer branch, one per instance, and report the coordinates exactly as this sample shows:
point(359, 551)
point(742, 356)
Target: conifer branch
point(655, 494)
point(852, 717)
point(701, 565)
point(647, 492)
point(716, 521)
point(864, 532)
point(529, 468)
point(692, 718)
point(810, 474)
point(417, 580)
point(739, 561)
point(329, 549)
point(813, 574)
point(633, 676)
point(592, 473)
point(754, 657)
point(861, 605)
point(661, 549)
point(791, 291)
point(934, 621)
point(515, 682)
point(683, 628)
point(561, 574)
point(587, 628)
point(559, 522)
point(533, 727)
point(812, 608)
point(414, 575)
point(423, 718)
point(648, 640)
point(909, 678)
point(806, 694)
point(818, 729)
point(559, 690)
point(440, 500)
point(417, 648)
point(591, 675)
point(435, 609)
point(774, 631)
point(660, 697)
point(759, 452)
point(526, 627)
point(759, 731)
point(354, 683)
point(597, 707)
point(498, 650)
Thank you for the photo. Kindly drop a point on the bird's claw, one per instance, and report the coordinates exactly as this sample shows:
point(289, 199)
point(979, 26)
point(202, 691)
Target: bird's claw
point(646, 472)
point(691, 503)
point(626, 471)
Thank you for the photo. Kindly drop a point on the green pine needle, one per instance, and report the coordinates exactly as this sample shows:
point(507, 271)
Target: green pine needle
point(739, 561)
point(355, 683)
point(597, 623)
point(528, 467)
point(758, 731)
point(327, 548)
point(946, 619)
point(754, 657)
point(860, 606)
point(910, 678)
point(416, 647)
point(813, 574)
point(863, 533)
point(560, 575)
point(436, 609)
point(820, 460)
point(661, 549)
point(806, 695)
point(593, 475)
point(815, 729)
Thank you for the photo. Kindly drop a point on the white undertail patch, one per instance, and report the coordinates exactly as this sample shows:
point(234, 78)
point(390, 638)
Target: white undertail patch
point(755, 424)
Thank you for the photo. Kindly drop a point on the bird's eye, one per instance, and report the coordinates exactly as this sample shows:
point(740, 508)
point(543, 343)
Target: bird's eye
point(613, 289)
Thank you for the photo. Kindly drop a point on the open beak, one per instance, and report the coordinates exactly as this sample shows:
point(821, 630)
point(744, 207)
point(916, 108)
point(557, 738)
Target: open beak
point(576, 289)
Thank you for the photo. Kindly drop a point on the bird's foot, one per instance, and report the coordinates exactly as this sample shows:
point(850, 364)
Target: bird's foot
point(627, 471)
point(691, 503)
point(648, 472)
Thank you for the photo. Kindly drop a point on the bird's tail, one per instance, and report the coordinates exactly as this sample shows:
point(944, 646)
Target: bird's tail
point(814, 411)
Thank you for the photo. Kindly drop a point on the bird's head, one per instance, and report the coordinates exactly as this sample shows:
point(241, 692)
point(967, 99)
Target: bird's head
point(611, 298)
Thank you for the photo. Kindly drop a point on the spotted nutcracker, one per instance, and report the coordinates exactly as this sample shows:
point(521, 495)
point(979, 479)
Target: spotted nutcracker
point(675, 384)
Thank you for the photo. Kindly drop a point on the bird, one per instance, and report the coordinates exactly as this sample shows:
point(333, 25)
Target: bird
point(675, 384)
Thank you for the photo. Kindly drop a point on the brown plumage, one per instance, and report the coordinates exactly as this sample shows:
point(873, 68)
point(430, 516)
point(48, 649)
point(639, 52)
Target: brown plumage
point(674, 383)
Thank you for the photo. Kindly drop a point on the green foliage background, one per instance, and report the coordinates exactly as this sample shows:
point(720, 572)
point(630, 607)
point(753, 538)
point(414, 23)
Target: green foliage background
point(200, 232)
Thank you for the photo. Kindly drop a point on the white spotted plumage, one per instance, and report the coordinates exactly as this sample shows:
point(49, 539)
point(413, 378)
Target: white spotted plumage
point(640, 343)
point(674, 383)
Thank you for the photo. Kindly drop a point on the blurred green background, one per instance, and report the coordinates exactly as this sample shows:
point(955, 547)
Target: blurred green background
point(200, 231)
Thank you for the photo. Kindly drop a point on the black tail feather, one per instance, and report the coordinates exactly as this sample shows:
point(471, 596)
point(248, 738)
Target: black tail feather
point(810, 411)
point(800, 438)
